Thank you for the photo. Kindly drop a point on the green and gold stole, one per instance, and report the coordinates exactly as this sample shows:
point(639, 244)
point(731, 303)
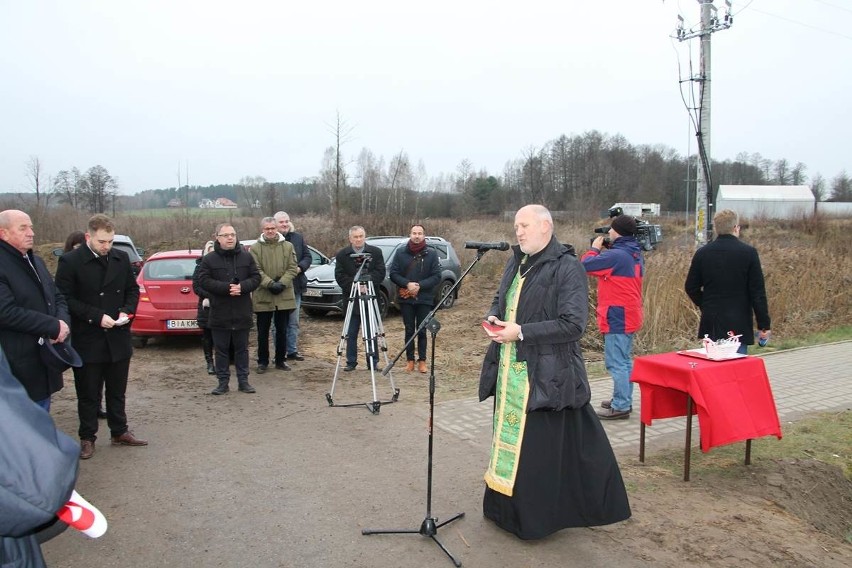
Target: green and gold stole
point(510, 414)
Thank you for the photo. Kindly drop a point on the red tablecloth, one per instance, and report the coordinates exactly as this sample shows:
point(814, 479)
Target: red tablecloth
point(733, 398)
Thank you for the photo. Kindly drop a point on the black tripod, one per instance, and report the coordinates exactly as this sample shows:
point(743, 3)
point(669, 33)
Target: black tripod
point(429, 527)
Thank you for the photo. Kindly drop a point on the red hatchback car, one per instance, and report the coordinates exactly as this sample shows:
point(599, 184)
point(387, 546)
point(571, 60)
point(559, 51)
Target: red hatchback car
point(167, 303)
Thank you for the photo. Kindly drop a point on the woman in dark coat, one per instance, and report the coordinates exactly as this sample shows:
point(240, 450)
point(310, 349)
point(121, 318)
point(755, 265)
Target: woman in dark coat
point(203, 315)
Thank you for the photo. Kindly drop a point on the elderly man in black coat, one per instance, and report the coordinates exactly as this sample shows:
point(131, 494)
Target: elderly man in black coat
point(31, 308)
point(229, 275)
point(98, 284)
point(347, 262)
point(300, 283)
point(725, 281)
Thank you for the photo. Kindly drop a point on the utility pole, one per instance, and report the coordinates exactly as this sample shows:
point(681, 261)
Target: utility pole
point(704, 187)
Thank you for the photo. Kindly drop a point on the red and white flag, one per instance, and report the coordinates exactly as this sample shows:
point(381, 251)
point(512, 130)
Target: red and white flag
point(83, 516)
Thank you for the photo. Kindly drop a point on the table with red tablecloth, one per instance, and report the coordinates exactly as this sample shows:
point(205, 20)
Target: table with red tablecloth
point(733, 397)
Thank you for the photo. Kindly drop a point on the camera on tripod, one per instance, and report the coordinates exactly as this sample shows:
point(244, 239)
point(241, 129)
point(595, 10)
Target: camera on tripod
point(647, 234)
point(362, 261)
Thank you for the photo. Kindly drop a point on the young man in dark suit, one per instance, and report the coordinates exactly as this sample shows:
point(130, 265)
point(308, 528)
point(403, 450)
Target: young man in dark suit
point(98, 284)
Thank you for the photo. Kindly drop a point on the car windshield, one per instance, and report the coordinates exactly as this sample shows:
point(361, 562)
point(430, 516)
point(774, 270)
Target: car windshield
point(169, 269)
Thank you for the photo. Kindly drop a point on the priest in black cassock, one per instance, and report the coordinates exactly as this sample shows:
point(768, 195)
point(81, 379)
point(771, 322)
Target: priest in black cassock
point(551, 465)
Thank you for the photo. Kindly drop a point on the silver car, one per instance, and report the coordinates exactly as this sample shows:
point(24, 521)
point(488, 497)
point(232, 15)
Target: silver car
point(323, 295)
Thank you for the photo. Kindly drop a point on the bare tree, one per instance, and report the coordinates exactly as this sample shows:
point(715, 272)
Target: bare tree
point(818, 187)
point(251, 188)
point(782, 172)
point(270, 198)
point(798, 176)
point(399, 181)
point(327, 177)
point(369, 172)
point(99, 190)
point(342, 133)
point(35, 173)
point(841, 187)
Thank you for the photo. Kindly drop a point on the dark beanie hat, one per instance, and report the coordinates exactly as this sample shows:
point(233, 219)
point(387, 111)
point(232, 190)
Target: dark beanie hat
point(624, 225)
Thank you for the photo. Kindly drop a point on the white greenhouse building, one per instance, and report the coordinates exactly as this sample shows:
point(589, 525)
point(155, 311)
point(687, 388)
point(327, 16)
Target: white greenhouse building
point(766, 201)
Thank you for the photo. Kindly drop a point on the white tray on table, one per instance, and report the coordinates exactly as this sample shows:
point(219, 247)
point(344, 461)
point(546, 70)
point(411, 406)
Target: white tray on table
point(700, 353)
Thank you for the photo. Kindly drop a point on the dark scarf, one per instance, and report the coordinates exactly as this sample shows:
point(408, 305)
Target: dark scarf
point(416, 249)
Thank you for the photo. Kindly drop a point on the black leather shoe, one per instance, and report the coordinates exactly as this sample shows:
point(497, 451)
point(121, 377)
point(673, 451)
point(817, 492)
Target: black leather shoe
point(247, 388)
point(348, 368)
point(608, 404)
point(282, 367)
point(296, 356)
point(221, 389)
point(613, 414)
point(261, 369)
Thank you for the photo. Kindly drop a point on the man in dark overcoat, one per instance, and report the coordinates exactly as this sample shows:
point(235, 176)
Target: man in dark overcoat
point(725, 281)
point(229, 275)
point(31, 308)
point(347, 263)
point(102, 294)
point(300, 283)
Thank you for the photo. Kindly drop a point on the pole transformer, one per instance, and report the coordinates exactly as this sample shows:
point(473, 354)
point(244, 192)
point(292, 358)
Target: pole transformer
point(704, 197)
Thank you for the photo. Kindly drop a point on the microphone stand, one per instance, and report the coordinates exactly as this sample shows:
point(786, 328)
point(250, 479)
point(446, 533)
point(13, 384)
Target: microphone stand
point(429, 527)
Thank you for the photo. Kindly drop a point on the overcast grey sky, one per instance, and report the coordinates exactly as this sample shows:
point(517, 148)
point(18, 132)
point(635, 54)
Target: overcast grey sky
point(251, 87)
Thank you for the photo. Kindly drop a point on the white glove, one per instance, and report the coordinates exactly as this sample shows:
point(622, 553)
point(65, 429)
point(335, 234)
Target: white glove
point(205, 303)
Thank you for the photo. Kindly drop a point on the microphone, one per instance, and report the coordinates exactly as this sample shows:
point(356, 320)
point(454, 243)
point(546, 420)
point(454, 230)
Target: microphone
point(502, 245)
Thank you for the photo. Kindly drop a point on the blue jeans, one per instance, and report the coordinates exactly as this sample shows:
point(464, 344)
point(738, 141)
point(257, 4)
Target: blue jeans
point(293, 327)
point(44, 403)
point(743, 349)
point(618, 357)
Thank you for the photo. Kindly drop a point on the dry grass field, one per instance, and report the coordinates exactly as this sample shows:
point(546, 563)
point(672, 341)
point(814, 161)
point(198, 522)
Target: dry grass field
point(807, 263)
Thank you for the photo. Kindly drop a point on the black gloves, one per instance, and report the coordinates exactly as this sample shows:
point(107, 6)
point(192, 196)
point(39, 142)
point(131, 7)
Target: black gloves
point(276, 287)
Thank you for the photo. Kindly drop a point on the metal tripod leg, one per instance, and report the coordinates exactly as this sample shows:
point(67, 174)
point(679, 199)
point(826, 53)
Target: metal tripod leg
point(341, 345)
point(372, 333)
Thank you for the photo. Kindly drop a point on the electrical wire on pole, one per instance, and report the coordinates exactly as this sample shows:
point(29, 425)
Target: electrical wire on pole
point(704, 197)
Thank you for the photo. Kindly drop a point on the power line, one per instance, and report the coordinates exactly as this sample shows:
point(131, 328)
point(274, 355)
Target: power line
point(830, 4)
point(804, 25)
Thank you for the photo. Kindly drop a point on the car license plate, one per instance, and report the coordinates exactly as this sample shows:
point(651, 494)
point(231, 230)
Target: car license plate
point(181, 324)
point(312, 292)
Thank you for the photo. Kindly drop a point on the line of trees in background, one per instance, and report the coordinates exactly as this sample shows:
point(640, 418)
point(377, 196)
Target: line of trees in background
point(583, 173)
point(95, 190)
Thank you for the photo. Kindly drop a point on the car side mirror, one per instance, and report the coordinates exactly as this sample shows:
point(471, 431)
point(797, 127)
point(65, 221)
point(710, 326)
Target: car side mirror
point(57, 252)
point(141, 252)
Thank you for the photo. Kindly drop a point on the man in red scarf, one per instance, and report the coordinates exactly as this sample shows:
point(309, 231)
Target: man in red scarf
point(416, 270)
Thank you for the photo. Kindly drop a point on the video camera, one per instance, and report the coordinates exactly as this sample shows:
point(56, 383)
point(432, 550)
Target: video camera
point(647, 235)
point(362, 261)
